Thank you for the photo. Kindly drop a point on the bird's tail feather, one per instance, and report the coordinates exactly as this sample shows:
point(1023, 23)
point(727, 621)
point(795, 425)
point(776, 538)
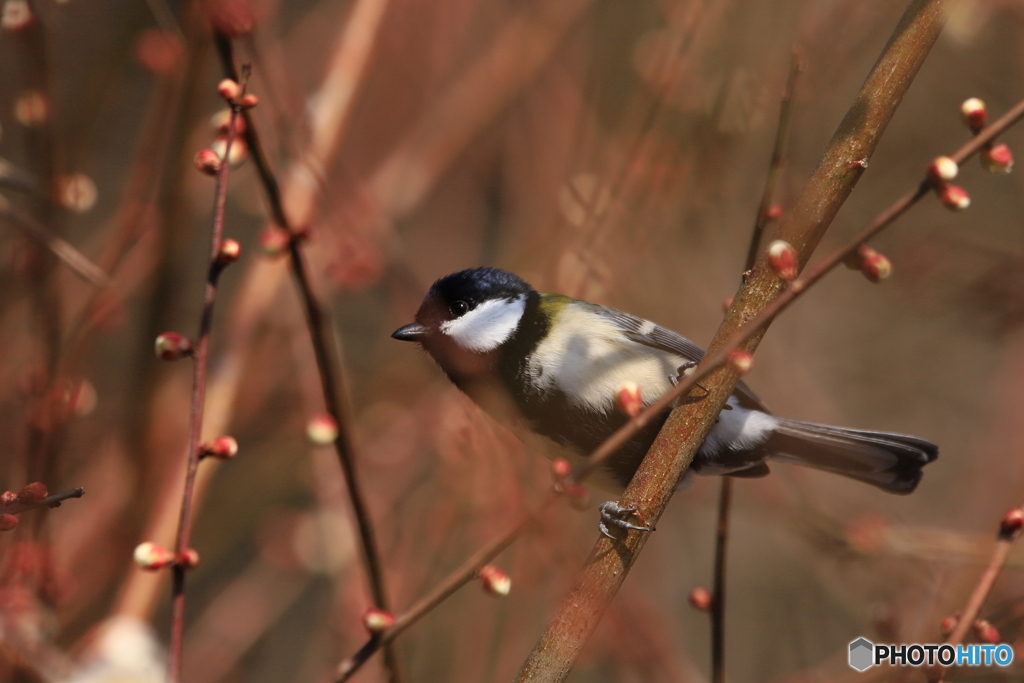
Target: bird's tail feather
point(892, 462)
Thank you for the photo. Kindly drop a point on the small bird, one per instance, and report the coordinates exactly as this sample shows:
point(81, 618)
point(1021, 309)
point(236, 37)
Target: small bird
point(559, 362)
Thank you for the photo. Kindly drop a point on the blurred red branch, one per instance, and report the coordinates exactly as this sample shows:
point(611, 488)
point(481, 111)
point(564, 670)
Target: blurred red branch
point(201, 358)
point(756, 304)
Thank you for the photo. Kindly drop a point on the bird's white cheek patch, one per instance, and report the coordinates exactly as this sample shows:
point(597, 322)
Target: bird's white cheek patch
point(487, 326)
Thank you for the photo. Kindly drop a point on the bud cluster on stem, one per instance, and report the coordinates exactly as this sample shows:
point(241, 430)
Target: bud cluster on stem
point(995, 156)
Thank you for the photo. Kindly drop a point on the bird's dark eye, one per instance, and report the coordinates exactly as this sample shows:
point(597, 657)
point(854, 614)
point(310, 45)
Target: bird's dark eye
point(459, 308)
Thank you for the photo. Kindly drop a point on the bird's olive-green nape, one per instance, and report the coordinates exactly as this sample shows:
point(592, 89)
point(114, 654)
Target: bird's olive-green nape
point(551, 305)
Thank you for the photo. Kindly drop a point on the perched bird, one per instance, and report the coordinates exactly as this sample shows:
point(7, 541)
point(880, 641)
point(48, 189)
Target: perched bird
point(558, 363)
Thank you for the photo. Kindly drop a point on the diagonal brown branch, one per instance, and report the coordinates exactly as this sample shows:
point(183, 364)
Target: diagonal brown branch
point(652, 486)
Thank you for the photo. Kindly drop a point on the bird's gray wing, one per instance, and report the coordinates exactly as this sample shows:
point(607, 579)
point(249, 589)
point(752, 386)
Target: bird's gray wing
point(657, 337)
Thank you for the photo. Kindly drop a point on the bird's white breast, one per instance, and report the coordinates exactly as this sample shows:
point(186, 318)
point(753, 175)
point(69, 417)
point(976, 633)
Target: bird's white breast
point(588, 358)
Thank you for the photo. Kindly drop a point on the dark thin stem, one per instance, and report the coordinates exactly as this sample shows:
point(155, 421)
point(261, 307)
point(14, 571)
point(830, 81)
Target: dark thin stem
point(201, 364)
point(320, 332)
point(777, 162)
point(53, 501)
point(725, 495)
point(718, 596)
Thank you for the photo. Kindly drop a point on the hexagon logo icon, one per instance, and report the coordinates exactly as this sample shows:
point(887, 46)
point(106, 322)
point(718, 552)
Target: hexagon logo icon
point(862, 653)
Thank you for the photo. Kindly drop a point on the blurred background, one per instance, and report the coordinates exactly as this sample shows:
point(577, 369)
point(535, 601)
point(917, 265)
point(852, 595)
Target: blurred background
point(614, 151)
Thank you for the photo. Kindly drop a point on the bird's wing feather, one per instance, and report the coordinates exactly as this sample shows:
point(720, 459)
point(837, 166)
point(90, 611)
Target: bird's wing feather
point(657, 337)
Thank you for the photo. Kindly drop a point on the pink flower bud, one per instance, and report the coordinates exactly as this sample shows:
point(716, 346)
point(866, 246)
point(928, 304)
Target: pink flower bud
point(207, 162)
point(495, 581)
point(229, 252)
point(222, 448)
point(942, 170)
point(229, 90)
point(188, 559)
point(16, 15)
point(249, 101)
point(560, 468)
point(948, 625)
point(875, 266)
point(8, 522)
point(974, 114)
point(997, 159)
point(33, 493)
point(774, 212)
point(628, 400)
point(377, 621)
point(739, 362)
point(8, 498)
point(274, 241)
point(986, 632)
point(322, 430)
point(173, 346)
point(782, 258)
point(954, 197)
point(32, 108)
point(151, 556)
point(76, 192)
point(700, 598)
point(1012, 522)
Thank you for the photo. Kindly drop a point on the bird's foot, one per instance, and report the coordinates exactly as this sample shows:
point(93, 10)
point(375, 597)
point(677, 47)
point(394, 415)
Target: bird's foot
point(615, 516)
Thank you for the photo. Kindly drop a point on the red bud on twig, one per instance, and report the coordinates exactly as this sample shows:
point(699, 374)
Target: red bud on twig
point(986, 632)
point(942, 170)
point(974, 114)
point(628, 400)
point(560, 469)
point(151, 556)
point(207, 161)
point(954, 197)
point(782, 258)
point(495, 581)
point(248, 101)
point(700, 598)
point(998, 158)
point(274, 241)
point(377, 621)
point(33, 493)
point(740, 362)
point(8, 498)
point(876, 267)
point(173, 346)
point(188, 559)
point(948, 625)
point(229, 89)
point(774, 212)
point(222, 448)
point(15, 15)
point(1012, 523)
point(322, 430)
point(8, 522)
point(229, 252)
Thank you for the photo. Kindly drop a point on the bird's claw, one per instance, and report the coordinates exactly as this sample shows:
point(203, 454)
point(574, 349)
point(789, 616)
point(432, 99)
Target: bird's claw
point(614, 515)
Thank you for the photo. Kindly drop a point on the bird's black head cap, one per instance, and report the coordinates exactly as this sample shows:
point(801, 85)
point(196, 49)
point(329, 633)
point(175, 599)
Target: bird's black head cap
point(476, 285)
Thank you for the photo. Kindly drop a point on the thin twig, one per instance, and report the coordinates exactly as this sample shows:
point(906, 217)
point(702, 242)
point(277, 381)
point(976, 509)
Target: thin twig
point(201, 357)
point(53, 501)
point(725, 494)
point(324, 349)
point(688, 424)
point(75, 260)
point(465, 573)
point(1009, 531)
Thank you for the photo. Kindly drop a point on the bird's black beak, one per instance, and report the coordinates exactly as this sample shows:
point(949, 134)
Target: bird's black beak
point(411, 332)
